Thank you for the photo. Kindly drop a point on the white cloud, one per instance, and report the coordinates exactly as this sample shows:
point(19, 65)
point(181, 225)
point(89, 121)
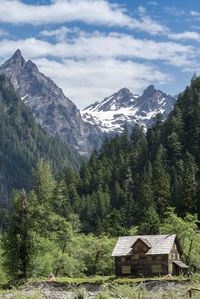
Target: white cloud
point(152, 3)
point(60, 33)
point(173, 10)
point(195, 27)
point(94, 65)
point(90, 80)
point(98, 12)
point(99, 45)
point(142, 10)
point(3, 33)
point(185, 35)
point(195, 13)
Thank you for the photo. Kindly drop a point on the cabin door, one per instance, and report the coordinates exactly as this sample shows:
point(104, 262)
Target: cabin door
point(176, 270)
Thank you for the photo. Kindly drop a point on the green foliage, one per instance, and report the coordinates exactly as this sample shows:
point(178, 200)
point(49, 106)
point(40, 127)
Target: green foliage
point(125, 188)
point(80, 293)
point(188, 234)
point(134, 178)
point(17, 242)
point(33, 227)
point(41, 240)
point(23, 142)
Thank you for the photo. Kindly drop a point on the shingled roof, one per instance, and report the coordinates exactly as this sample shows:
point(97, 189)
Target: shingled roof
point(160, 244)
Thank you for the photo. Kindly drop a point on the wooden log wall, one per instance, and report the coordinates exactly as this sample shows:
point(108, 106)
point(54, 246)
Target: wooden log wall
point(145, 265)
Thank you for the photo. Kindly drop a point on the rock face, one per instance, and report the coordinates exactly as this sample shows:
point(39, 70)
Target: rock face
point(124, 107)
point(50, 107)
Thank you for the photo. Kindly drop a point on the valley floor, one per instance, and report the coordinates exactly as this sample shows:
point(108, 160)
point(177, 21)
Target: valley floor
point(100, 289)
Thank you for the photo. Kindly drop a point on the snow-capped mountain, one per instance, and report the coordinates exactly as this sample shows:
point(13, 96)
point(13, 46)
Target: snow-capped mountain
point(124, 107)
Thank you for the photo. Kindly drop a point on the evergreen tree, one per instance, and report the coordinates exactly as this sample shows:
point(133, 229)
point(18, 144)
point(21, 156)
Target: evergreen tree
point(43, 182)
point(186, 201)
point(60, 199)
point(148, 217)
point(17, 243)
point(160, 185)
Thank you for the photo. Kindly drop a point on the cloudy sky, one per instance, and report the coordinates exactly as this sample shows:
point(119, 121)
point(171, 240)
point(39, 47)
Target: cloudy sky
point(92, 48)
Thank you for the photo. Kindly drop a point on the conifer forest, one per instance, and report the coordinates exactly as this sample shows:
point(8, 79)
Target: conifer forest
point(64, 215)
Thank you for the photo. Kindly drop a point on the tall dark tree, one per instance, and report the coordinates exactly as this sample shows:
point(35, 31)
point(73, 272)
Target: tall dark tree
point(161, 184)
point(17, 242)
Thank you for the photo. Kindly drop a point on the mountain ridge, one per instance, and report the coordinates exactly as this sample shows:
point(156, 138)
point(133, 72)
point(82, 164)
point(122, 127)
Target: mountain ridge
point(124, 107)
point(83, 130)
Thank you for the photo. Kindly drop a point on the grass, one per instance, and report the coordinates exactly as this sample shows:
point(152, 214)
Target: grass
point(111, 285)
point(107, 279)
point(121, 287)
point(97, 280)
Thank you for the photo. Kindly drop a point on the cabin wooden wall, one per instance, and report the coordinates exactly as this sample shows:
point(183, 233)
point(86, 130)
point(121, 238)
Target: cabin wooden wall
point(139, 265)
point(175, 255)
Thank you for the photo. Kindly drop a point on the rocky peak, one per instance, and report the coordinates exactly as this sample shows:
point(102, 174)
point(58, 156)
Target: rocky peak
point(149, 91)
point(124, 91)
point(123, 107)
point(30, 66)
point(17, 60)
point(50, 107)
point(17, 54)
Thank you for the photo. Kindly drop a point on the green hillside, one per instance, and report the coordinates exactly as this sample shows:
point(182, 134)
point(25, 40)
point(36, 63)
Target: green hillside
point(135, 178)
point(23, 142)
point(138, 183)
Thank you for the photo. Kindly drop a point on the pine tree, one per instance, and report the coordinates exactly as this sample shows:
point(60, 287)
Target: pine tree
point(187, 189)
point(160, 185)
point(17, 242)
point(43, 182)
point(60, 199)
point(146, 212)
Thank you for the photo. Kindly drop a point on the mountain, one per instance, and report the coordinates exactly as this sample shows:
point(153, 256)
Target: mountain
point(124, 107)
point(83, 130)
point(23, 142)
point(50, 107)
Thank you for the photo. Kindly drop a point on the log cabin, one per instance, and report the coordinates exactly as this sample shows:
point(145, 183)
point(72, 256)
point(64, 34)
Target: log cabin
point(148, 256)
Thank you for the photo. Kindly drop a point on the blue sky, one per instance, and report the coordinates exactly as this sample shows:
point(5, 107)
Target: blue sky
point(92, 48)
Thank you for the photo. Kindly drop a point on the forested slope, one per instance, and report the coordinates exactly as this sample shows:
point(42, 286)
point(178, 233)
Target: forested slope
point(134, 178)
point(138, 183)
point(23, 142)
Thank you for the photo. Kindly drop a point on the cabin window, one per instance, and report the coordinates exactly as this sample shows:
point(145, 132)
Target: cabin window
point(135, 257)
point(174, 256)
point(156, 268)
point(126, 269)
point(170, 256)
point(178, 256)
point(175, 247)
point(159, 257)
point(123, 259)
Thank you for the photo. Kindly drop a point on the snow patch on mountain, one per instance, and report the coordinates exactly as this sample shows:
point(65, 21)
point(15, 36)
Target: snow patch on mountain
point(123, 107)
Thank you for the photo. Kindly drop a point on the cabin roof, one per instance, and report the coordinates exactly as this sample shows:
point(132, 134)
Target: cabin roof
point(160, 244)
point(181, 264)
